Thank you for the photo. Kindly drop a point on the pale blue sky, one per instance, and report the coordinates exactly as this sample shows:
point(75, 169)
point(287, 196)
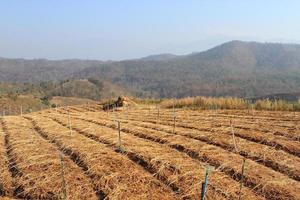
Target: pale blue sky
point(124, 29)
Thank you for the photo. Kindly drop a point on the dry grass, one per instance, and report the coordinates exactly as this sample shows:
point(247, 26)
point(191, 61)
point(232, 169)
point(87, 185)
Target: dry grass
point(218, 152)
point(36, 171)
point(116, 176)
point(155, 162)
point(178, 168)
point(230, 103)
point(5, 176)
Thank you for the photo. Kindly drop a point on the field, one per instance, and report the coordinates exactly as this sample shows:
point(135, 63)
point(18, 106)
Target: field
point(76, 153)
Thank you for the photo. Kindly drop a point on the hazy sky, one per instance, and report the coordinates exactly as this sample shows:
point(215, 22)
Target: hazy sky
point(123, 29)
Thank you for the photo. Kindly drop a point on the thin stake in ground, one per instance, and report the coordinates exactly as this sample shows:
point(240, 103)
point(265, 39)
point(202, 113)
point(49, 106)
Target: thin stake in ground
point(120, 148)
point(204, 185)
point(21, 111)
point(242, 179)
point(69, 122)
point(233, 136)
point(174, 119)
point(157, 113)
point(64, 189)
point(126, 109)
point(213, 121)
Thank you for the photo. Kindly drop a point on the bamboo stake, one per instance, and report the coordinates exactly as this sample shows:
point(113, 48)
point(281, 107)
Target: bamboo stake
point(252, 111)
point(174, 117)
point(126, 112)
point(119, 137)
point(69, 122)
point(242, 178)
point(64, 189)
point(204, 185)
point(157, 114)
point(233, 136)
point(174, 124)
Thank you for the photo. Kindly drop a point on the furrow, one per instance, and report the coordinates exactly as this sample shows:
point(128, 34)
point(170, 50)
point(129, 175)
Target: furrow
point(31, 164)
point(218, 157)
point(187, 169)
point(275, 159)
point(289, 146)
point(5, 175)
point(121, 178)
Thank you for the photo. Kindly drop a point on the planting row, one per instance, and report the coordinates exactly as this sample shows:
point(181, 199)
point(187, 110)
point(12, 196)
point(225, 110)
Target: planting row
point(39, 170)
point(261, 178)
point(5, 175)
point(112, 173)
point(177, 167)
point(287, 130)
point(268, 139)
point(276, 159)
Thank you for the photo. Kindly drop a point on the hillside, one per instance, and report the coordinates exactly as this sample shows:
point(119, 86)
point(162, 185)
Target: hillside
point(36, 70)
point(242, 69)
point(30, 103)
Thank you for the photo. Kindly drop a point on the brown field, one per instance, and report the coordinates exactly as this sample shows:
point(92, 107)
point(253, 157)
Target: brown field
point(55, 155)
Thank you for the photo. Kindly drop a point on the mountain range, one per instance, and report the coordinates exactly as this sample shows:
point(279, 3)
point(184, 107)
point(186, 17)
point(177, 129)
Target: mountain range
point(236, 68)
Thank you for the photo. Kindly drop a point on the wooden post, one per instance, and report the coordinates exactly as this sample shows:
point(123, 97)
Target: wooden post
point(126, 112)
point(173, 106)
point(69, 122)
point(157, 114)
point(204, 185)
point(233, 136)
point(64, 189)
point(21, 111)
point(174, 124)
point(242, 178)
point(174, 120)
point(119, 137)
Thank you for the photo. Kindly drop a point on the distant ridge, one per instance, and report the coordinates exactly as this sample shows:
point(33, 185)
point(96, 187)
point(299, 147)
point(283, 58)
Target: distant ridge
point(160, 57)
point(236, 68)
